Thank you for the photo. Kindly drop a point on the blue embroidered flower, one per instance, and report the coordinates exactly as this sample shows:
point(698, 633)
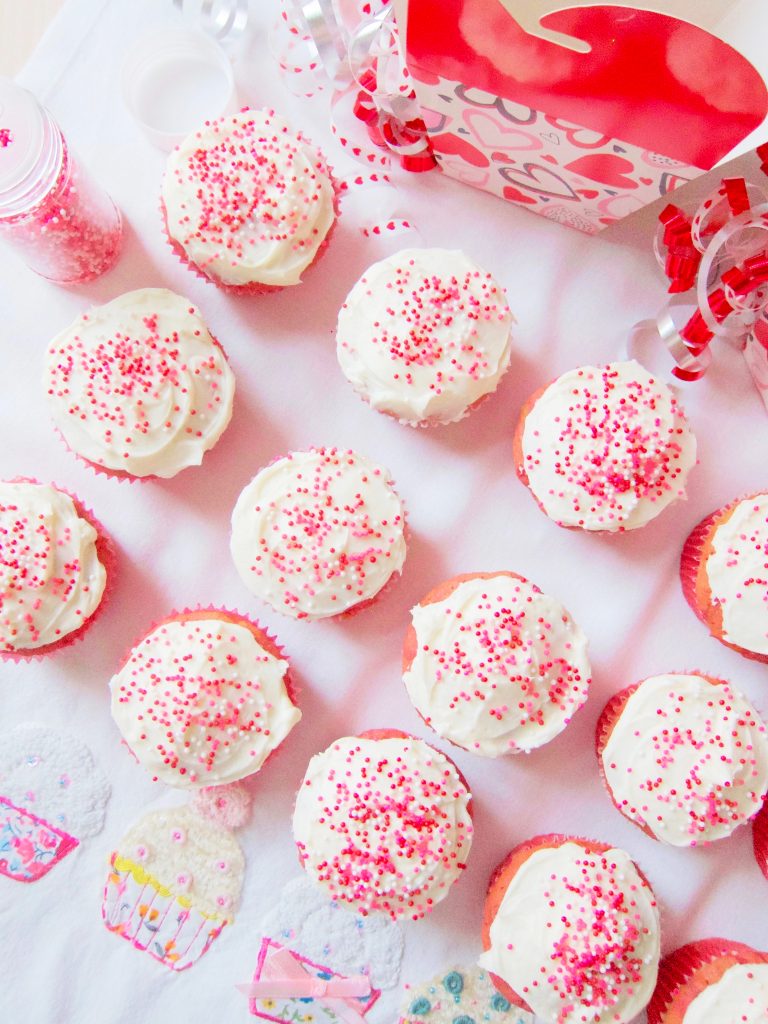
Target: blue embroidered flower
point(464, 1019)
point(500, 1004)
point(454, 983)
point(420, 1006)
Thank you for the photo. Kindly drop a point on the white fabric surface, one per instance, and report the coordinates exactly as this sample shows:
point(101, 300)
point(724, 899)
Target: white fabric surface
point(575, 299)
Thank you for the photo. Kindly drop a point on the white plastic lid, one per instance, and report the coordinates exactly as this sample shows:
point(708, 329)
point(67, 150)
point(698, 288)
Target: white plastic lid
point(175, 79)
point(22, 135)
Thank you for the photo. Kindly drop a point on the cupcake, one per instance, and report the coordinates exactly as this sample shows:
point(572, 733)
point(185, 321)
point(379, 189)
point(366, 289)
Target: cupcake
point(174, 883)
point(424, 335)
point(684, 756)
point(203, 699)
point(139, 386)
point(382, 823)
point(247, 202)
point(318, 533)
point(493, 665)
point(604, 448)
point(52, 795)
point(54, 558)
point(724, 572)
point(711, 981)
point(571, 932)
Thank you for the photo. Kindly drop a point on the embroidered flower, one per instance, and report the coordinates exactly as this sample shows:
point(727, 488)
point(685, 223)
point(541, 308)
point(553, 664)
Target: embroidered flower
point(223, 901)
point(141, 853)
point(178, 835)
point(184, 881)
point(222, 866)
point(500, 1004)
point(454, 983)
point(420, 1006)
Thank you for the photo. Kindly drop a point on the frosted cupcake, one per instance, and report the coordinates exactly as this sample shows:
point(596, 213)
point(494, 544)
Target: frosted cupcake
point(711, 981)
point(139, 386)
point(494, 665)
point(53, 558)
point(318, 533)
point(174, 884)
point(684, 756)
point(382, 822)
point(247, 202)
point(604, 448)
point(203, 699)
point(424, 335)
point(724, 572)
point(571, 932)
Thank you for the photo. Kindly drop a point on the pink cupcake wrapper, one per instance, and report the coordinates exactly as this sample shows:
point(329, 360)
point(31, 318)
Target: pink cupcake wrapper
point(690, 573)
point(106, 551)
point(679, 968)
point(760, 838)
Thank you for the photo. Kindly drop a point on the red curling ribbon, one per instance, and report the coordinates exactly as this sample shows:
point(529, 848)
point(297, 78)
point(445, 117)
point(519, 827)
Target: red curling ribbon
point(720, 257)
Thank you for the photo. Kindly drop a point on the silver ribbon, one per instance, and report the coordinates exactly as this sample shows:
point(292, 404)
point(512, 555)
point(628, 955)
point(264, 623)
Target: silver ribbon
point(225, 20)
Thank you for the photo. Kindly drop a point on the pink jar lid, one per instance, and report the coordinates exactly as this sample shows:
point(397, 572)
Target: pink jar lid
point(23, 125)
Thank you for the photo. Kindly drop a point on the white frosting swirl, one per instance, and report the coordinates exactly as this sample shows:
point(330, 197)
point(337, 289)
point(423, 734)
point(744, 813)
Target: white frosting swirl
point(190, 857)
point(606, 448)
point(499, 666)
point(737, 573)
point(739, 997)
point(51, 579)
point(687, 758)
point(139, 385)
point(383, 824)
point(424, 334)
point(201, 702)
point(577, 936)
point(318, 532)
point(248, 200)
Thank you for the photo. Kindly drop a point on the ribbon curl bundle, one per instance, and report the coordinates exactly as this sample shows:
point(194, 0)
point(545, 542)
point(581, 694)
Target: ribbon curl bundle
point(353, 46)
point(717, 265)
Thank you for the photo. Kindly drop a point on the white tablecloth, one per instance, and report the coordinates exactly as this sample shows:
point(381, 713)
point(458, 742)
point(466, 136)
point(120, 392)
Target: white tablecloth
point(575, 299)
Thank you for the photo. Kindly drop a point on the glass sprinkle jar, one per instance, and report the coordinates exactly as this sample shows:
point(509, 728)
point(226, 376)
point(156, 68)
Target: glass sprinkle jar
point(64, 226)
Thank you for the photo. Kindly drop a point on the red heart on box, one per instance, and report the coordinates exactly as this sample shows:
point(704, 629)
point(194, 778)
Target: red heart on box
point(514, 195)
point(453, 145)
point(605, 168)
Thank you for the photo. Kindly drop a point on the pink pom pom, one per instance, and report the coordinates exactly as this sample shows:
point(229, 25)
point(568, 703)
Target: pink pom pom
point(227, 805)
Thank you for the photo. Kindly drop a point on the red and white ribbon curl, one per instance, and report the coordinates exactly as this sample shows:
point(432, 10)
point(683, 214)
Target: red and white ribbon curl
point(717, 265)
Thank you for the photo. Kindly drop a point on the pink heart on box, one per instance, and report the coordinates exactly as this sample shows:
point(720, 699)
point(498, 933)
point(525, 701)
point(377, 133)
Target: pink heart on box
point(492, 133)
point(538, 179)
point(606, 168)
point(464, 172)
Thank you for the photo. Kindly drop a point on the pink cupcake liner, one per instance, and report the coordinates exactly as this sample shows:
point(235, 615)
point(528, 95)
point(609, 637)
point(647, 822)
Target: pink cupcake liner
point(760, 838)
point(255, 287)
point(106, 552)
point(266, 639)
point(694, 581)
point(687, 971)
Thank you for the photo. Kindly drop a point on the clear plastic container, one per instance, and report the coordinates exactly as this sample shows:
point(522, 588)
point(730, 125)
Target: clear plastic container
point(62, 224)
